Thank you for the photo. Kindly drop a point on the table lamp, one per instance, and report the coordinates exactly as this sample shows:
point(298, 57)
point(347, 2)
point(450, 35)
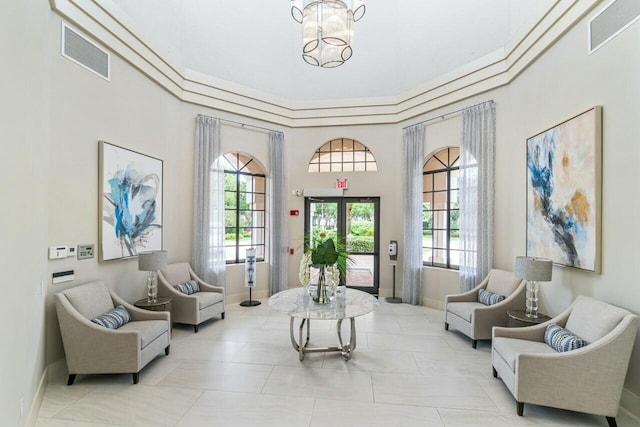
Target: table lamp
point(152, 262)
point(533, 270)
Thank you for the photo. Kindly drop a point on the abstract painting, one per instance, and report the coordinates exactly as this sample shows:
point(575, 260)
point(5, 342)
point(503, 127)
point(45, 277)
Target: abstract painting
point(130, 191)
point(564, 192)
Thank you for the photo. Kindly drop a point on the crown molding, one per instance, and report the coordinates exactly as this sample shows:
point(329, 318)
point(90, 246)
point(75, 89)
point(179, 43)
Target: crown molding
point(109, 26)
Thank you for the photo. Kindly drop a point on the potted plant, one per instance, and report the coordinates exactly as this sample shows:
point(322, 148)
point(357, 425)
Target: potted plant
point(330, 260)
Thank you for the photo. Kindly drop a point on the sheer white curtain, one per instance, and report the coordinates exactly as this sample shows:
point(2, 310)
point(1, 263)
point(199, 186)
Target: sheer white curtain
point(208, 256)
point(477, 164)
point(279, 244)
point(412, 137)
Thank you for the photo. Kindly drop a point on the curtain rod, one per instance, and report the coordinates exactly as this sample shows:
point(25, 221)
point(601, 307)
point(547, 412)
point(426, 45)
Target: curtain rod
point(442, 116)
point(243, 125)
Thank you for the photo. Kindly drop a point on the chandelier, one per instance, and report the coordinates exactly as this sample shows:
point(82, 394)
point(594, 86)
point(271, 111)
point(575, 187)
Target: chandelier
point(327, 29)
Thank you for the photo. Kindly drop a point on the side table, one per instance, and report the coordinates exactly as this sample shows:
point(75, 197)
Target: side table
point(160, 304)
point(519, 318)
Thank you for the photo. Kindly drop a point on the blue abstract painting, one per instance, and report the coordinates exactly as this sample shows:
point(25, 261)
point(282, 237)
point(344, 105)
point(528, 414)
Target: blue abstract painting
point(131, 202)
point(563, 192)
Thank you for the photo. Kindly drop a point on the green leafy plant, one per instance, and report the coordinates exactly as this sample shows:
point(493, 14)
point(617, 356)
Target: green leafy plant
point(325, 252)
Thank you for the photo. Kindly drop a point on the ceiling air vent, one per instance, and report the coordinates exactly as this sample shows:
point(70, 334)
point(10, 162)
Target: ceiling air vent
point(84, 52)
point(611, 21)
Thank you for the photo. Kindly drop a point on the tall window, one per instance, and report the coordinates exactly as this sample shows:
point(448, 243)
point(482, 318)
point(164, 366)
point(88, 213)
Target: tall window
point(343, 155)
point(440, 212)
point(244, 200)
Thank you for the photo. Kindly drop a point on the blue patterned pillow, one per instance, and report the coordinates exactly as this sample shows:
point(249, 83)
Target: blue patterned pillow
point(188, 288)
point(113, 319)
point(562, 340)
point(489, 298)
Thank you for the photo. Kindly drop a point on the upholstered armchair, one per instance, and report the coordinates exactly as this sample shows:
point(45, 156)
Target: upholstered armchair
point(94, 349)
point(474, 319)
point(588, 379)
point(195, 308)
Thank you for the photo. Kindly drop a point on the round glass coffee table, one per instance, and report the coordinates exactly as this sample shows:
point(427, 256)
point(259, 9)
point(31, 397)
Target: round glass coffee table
point(347, 304)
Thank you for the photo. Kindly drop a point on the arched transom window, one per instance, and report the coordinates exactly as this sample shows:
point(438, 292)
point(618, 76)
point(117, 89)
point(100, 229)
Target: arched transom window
point(440, 212)
point(343, 155)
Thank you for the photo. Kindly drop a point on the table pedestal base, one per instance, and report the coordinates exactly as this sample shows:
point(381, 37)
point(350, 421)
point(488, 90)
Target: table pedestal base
point(302, 349)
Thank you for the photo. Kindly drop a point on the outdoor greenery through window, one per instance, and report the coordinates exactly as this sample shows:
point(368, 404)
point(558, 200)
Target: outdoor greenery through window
point(343, 155)
point(440, 212)
point(244, 199)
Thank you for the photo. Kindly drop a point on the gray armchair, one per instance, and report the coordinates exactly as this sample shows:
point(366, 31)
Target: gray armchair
point(589, 379)
point(94, 349)
point(195, 308)
point(475, 320)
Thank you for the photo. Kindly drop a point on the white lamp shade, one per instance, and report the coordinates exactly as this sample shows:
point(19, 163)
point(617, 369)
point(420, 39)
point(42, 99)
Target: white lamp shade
point(152, 261)
point(536, 269)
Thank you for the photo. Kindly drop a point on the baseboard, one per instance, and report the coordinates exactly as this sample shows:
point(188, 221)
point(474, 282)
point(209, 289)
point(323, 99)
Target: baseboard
point(34, 409)
point(433, 303)
point(238, 298)
point(630, 403)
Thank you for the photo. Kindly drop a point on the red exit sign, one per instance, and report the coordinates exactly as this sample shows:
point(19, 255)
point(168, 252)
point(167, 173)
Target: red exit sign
point(342, 184)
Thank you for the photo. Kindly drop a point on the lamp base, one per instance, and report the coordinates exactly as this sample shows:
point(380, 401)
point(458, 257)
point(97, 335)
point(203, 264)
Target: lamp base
point(152, 287)
point(532, 299)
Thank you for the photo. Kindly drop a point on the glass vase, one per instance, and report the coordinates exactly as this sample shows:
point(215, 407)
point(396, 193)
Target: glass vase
point(324, 291)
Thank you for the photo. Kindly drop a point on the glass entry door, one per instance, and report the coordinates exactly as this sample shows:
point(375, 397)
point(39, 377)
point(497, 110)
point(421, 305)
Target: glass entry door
point(358, 220)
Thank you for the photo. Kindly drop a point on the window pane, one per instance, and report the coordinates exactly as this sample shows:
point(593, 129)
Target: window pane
point(325, 167)
point(259, 184)
point(440, 181)
point(454, 259)
point(433, 164)
point(230, 199)
point(358, 146)
point(246, 182)
point(454, 199)
point(427, 255)
point(259, 251)
point(245, 219)
point(314, 168)
point(336, 157)
point(454, 156)
point(347, 156)
point(347, 144)
point(427, 182)
point(443, 156)
point(427, 201)
point(336, 167)
point(258, 218)
point(258, 200)
point(440, 239)
point(359, 156)
point(454, 221)
point(440, 200)
point(230, 220)
point(370, 157)
point(325, 157)
point(325, 148)
point(347, 167)
point(230, 181)
point(455, 175)
point(359, 167)
point(336, 145)
point(439, 257)
point(427, 220)
point(229, 162)
point(372, 166)
point(315, 158)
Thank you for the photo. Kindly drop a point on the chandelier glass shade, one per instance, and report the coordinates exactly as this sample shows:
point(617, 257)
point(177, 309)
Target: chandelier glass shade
point(327, 29)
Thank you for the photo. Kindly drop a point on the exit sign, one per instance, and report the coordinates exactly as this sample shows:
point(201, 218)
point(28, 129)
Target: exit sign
point(342, 184)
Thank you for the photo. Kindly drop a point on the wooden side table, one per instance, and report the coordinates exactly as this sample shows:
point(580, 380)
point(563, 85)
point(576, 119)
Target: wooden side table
point(519, 318)
point(161, 304)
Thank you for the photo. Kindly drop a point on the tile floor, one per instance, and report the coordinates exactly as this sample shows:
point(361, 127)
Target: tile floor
point(242, 371)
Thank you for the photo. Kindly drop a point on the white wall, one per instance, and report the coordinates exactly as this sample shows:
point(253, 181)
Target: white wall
point(24, 122)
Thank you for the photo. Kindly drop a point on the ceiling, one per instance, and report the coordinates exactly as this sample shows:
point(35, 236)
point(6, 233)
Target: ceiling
point(399, 45)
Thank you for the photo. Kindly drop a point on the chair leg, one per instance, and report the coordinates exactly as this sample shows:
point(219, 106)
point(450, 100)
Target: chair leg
point(495, 373)
point(167, 350)
point(520, 408)
point(474, 343)
point(612, 421)
point(136, 377)
point(222, 315)
point(195, 329)
point(71, 379)
point(446, 326)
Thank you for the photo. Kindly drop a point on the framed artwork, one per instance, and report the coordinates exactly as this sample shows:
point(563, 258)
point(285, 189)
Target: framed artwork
point(564, 184)
point(130, 193)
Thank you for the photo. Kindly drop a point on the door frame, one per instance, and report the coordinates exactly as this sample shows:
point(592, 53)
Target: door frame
point(341, 225)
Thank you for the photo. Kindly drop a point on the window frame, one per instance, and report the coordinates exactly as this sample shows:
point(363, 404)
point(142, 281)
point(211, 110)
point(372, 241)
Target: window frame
point(337, 153)
point(448, 169)
point(237, 174)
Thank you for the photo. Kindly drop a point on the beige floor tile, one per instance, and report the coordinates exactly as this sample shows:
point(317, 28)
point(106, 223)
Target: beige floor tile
point(340, 413)
point(320, 383)
point(248, 410)
point(213, 375)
